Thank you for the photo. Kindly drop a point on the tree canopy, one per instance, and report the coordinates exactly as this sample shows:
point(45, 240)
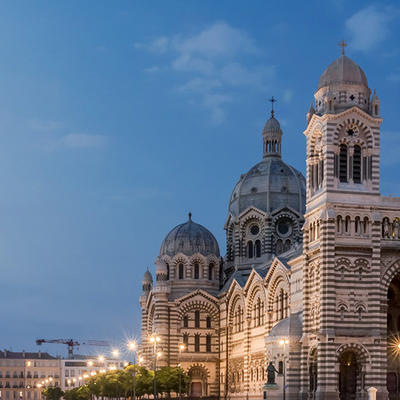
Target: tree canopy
point(121, 383)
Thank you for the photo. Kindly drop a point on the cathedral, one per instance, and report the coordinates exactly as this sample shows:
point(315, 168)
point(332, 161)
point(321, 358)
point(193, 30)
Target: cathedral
point(310, 280)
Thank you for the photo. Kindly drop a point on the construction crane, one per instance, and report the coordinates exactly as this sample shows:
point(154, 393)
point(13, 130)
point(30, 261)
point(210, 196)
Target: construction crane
point(71, 343)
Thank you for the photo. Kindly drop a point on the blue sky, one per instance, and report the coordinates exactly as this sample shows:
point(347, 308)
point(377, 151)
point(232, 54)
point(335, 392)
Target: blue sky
point(117, 118)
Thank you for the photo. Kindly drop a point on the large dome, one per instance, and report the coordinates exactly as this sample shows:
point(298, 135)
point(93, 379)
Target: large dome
point(189, 238)
point(269, 185)
point(343, 70)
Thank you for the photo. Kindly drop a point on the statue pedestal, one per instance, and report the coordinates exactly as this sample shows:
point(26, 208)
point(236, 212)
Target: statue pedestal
point(271, 391)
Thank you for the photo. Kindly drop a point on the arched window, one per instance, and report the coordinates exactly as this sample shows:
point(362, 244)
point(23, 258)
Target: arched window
point(250, 249)
point(258, 248)
point(167, 272)
point(208, 343)
point(185, 321)
point(208, 322)
point(197, 343)
point(365, 226)
point(347, 224)
point(339, 223)
point(357, 164)
point(180, 271)
point(280, 367)
point(197, 319)
point(279, 246)
point(186, 341)
point(196, 271)
point(343, 163)
point(357, 226)
point(210, 272)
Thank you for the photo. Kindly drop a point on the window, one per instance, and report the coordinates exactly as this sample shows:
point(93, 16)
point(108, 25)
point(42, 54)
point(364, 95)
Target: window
point(210, 272)
point(196, 271)
point(208, 322)
point(357, 164)
point(208, 343)
point(180, 267)
point(343, 163)
point(280, 367)
point(185, 321)
point(167, 272)
point(197, 343)
point(197, 319)
point(186, 341)
point(258, 248)
point(250, 249)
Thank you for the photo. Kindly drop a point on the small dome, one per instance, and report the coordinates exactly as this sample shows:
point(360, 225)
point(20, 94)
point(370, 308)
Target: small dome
point(272, 125)
point(290, 326)
point(343, 70)
point(147, 277)
point(269, 185)
point(189, 238)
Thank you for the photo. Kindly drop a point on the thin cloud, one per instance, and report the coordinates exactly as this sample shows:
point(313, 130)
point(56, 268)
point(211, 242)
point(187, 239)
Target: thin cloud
point(83, 141)
point(394, 76)
point(214, 64)
point(370, 26)
point(45, 126)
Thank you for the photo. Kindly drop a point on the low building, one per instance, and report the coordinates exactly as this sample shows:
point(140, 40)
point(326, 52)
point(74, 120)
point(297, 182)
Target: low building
point(22, 374)
point(75, 371)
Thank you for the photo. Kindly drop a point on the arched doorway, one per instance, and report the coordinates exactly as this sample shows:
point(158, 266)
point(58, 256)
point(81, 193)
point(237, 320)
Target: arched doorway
point(313, 373)
point(349, 376)
point(198, 381)
point(393, 332)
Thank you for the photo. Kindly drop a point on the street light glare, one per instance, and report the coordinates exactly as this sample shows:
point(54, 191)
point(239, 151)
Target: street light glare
point(132, 345)
point(101, 358)
point(90, 363)
point(182, 347)
point(115, 353)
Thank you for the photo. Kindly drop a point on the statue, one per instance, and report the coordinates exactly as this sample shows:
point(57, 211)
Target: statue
point(271, 370)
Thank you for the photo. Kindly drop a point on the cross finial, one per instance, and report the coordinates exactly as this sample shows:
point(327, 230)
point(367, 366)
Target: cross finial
point(272, 100)
point(342, 44)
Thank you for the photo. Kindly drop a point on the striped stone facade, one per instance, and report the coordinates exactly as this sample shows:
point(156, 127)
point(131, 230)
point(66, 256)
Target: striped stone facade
point(324, 309)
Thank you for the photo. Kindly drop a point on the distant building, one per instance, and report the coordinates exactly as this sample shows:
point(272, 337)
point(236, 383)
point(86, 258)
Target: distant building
point(23, 375)
point(75, 371)
point(22, 372)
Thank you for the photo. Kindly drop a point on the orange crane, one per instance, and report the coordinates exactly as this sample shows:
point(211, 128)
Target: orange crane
point(71, 343)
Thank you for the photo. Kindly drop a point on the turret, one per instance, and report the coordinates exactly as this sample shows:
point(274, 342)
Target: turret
point(147, 282)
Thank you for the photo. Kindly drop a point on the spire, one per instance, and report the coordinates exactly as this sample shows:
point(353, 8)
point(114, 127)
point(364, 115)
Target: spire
point(190, 216)
point(342, 44)
point(272, 134)
point(311, 112)
point(272, 100)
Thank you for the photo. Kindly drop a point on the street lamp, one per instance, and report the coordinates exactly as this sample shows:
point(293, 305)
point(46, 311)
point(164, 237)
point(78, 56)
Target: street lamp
point(283, 342)
point(154, 340)
point(132, 347)
point(100, 358)
point(115, 353)
point(181, 348)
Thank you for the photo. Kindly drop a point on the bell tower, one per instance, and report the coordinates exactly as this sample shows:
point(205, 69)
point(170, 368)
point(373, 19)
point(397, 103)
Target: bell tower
point(341, 233)
point(343, 132)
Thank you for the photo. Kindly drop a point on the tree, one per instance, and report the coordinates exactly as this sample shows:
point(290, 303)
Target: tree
point(168, 380)
point(79, 393)
point(53, 393)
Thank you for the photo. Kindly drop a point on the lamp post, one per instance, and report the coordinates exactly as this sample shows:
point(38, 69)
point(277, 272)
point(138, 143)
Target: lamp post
point(283, 342)
point(132, 347)
point(154, 340)
point(115, 354)
point(181, 348)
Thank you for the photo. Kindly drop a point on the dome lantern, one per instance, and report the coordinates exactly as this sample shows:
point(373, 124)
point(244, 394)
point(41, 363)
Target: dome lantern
point(272, 135)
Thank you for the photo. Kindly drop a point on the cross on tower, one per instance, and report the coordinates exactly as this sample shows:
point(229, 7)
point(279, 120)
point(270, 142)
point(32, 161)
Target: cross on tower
point(272, 100)
point(342, 44)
